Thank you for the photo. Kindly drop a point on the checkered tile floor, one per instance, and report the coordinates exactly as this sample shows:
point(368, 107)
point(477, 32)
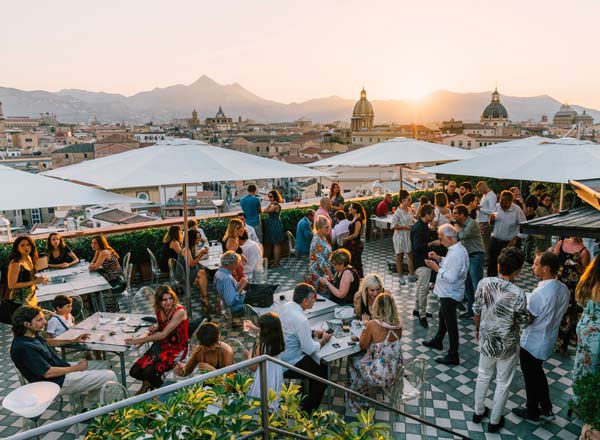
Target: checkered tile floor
point(450, 390)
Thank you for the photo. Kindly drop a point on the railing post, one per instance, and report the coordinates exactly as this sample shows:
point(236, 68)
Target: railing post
point(264, 398)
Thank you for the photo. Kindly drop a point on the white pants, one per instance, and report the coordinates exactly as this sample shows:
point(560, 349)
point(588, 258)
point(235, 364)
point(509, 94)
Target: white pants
point(422, 290)
point(87, 382)
point(505, 371)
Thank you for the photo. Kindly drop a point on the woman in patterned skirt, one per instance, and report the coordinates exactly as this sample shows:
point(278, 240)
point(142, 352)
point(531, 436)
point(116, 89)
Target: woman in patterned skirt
point(320, 251)
point(574, 258)
point(402, 221)
point(169, 337)
point(106, 260)
point(381, 341)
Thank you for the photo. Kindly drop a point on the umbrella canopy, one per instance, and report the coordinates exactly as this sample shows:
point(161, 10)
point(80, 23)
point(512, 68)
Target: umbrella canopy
point(24, 190)
point(177, 162)
point(540, 159)
point(397, 151)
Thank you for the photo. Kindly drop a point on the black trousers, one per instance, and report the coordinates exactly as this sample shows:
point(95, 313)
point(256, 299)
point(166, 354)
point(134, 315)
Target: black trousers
point(536, 384)
point(148, 374)
point(447, 318)
point(316, 389)
point(496, 247)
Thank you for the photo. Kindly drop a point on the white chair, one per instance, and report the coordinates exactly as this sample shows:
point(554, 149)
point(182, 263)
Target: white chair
point(193, 340)
point(261, 273)
point(156, 272)
point(79, 312)
point(143, 300)
point(291, 243)
point(252, 315)
point(176, 272)
point(409, 385)
point(376, 231)
point(126, 259)
point(112, 392)
point(31, 400)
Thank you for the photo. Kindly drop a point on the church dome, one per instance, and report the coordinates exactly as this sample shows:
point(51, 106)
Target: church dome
point(495, 110)
point(566, 110)
point(363, 107)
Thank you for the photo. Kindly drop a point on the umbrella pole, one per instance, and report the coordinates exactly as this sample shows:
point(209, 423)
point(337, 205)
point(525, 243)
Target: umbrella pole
point(187, 253)
point(562, 197)
point(401, 178)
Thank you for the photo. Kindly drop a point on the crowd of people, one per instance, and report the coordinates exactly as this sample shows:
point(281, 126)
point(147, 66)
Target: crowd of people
point(446, 242)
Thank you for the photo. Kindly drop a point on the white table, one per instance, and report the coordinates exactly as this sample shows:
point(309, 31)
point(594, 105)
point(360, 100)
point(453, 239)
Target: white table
point(338, 348)
point(384, 223)
point(75, 280)
point(108, 332)
point(212, 260)
point(322, 309)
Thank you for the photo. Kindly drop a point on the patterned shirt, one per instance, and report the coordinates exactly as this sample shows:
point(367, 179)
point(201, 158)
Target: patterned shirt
point(502, 307)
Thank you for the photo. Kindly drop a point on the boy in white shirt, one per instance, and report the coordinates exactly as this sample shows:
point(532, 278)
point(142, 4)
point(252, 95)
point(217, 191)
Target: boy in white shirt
point(62, 320)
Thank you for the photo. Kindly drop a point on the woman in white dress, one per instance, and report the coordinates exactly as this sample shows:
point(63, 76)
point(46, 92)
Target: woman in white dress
point(271, 343)
point(402, 222)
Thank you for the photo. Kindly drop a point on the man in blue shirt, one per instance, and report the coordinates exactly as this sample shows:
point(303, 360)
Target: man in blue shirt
point(251, 206)
point(450, 289)
point(37, 361)
point(304, 233)
point(232, 292)
point(546, 305)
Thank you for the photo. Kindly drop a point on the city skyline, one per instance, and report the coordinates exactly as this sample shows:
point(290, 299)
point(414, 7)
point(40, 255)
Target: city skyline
point(295, 52)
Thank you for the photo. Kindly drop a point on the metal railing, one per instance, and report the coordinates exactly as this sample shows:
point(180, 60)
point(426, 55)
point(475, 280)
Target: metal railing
point(263, 432)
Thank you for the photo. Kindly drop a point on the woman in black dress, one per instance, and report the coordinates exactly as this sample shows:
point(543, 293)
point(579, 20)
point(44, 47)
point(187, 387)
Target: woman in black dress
point(346, 281)
point(59, 254)
point(353, 242)
point(171, 247)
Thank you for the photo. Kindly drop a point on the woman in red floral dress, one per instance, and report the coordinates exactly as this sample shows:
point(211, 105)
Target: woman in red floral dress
point(169, 337)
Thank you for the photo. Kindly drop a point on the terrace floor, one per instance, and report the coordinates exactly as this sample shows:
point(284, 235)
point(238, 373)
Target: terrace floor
point(450, 390)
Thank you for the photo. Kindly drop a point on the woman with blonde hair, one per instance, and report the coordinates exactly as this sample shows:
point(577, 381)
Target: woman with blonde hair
point(370, 286)
point(320, 250)
point(381, 340)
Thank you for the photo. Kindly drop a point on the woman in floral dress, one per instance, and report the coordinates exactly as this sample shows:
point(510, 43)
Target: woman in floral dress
point(380, 366)
point(320, 250)
point(169, 337)
point(587, 293)
point(574, 258)
point(402, 221)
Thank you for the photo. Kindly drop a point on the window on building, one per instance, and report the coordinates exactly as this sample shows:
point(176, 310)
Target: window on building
point(66, 156)
point(50, 210)
point(451, 143)
point(36, 216)
point(85, 155)
point(460, 144)
point(469, 145)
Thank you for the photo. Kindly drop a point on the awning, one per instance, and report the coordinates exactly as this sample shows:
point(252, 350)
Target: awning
point(581, 222)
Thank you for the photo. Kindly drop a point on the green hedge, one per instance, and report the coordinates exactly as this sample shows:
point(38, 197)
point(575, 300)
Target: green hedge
point(137, 241)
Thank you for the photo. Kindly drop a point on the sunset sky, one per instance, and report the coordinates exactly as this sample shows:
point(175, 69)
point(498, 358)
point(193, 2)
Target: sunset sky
point(297, 50)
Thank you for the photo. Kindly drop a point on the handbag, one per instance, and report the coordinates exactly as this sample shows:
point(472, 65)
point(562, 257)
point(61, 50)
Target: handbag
point(7, 310)
point(260, 295)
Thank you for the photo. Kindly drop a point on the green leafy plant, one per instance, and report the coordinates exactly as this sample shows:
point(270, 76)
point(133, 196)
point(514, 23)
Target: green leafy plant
point(587, 399)
point(220, 409)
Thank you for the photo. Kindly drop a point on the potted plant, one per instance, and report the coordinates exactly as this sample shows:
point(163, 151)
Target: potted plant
point(587, 404)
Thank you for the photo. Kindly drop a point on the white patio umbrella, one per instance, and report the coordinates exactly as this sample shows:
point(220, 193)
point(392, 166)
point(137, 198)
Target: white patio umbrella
point(541, 159)
point(178, 162)
point(23, 190)
point(398, 151)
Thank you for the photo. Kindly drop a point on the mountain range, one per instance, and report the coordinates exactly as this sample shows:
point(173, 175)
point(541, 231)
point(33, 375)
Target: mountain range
point(206, 95)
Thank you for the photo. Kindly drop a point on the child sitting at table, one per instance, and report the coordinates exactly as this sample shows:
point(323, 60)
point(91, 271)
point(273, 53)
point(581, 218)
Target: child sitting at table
point(62, 320)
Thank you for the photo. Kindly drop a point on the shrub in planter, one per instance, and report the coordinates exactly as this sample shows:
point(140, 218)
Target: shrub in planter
point(219, 409)
point(587, 400)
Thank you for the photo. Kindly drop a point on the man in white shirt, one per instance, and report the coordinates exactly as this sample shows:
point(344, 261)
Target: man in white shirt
point(251, 231)
point(253, 255)
point(450, 289)
point(487, 205)
point(546, 305)
point(506, 219)
point(299, 344)
point(340, 230)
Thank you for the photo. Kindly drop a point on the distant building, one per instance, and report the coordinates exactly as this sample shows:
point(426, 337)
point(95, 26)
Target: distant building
point(3, 139)
point(384, 133)
point(567, 117)
point(362, 115)
point(194, 122)
point(471, 142)
point(22, 122)
point(495, 114)
point(72, 154)
point(115, 144)
point(220, 121)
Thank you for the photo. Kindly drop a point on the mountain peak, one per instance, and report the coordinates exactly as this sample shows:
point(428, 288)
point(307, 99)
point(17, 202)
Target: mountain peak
point(204, 81)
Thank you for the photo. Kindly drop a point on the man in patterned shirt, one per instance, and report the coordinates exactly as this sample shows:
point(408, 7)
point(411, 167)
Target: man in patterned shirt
point(500, 311)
